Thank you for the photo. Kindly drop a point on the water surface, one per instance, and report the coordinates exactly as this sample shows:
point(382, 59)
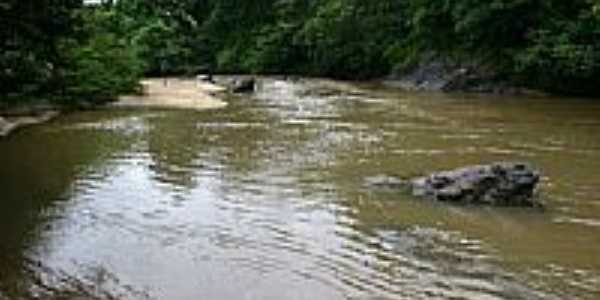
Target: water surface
point(265, 199)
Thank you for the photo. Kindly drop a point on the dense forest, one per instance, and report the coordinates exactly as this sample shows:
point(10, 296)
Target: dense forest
point(68, 50)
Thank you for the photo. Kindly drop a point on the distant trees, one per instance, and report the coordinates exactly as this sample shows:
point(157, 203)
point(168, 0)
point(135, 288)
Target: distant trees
point(63, 51)
point(562, 53)
point(98, 64)
point(350, 38)
point(64, 48)
point(30, 33)
point(550, 44)
point(341, 38)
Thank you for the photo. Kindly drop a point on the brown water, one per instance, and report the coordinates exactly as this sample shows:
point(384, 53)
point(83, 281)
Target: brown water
point(265, 199)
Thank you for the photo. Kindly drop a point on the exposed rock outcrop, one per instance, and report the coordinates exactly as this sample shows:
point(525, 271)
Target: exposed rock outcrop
point(440, 75)
point(497, 184)
point(501, 184)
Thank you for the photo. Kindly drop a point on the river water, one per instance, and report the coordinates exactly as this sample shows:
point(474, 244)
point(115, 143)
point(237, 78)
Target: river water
point(265, 199)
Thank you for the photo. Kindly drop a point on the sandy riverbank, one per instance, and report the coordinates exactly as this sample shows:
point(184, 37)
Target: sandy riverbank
point(175, 93)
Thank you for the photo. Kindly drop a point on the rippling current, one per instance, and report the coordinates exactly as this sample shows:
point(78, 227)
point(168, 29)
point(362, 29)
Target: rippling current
point(265, 199)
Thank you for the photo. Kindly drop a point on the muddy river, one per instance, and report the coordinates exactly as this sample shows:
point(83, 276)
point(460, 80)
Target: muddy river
point(265, 199)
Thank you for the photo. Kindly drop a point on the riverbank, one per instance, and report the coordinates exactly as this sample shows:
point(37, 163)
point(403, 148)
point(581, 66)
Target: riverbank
point(169, 93)
point(14, 118)
point(176, 93)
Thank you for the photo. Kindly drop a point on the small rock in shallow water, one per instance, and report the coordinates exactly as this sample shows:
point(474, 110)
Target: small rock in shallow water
point(501, 184)
point(244, 85)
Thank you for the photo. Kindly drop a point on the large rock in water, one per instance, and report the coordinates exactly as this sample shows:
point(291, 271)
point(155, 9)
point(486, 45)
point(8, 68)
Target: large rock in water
point(501, 184)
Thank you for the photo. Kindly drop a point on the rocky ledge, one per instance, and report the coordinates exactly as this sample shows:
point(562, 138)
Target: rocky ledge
point(497, 184)
point(446, 75)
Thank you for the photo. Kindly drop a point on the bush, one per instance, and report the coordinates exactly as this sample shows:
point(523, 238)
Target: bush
point(100, 66)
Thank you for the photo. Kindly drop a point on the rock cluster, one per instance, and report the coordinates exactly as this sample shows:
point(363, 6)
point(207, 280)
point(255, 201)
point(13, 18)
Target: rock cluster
point(501, 184)
point(444, 75)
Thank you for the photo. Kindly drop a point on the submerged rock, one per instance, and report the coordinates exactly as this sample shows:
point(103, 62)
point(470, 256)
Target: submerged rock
point(501, 184)
point(384, 181)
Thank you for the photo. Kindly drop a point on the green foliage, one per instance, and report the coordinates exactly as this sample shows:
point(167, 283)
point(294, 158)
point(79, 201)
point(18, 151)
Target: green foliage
point(30, 31)
point(63, 51)
point(340, 38)
point(160, 50)
point(552, 44)
point(100, 67)
point(98, 64)
point(564, 56)
point(62, 47)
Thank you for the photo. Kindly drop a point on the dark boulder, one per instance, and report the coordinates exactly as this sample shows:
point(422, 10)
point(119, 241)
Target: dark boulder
point(205, 78)
point(243, 85)
point(500, 184)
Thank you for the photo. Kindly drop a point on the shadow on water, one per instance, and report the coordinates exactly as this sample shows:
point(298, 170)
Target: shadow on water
point(266, 198)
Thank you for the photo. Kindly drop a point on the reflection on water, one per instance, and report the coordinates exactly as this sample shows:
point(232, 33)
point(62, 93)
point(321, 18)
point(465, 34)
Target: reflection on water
point(265, 199)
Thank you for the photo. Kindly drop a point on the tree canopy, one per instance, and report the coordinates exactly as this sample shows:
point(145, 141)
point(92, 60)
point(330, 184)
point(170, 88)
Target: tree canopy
point(69, 50)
